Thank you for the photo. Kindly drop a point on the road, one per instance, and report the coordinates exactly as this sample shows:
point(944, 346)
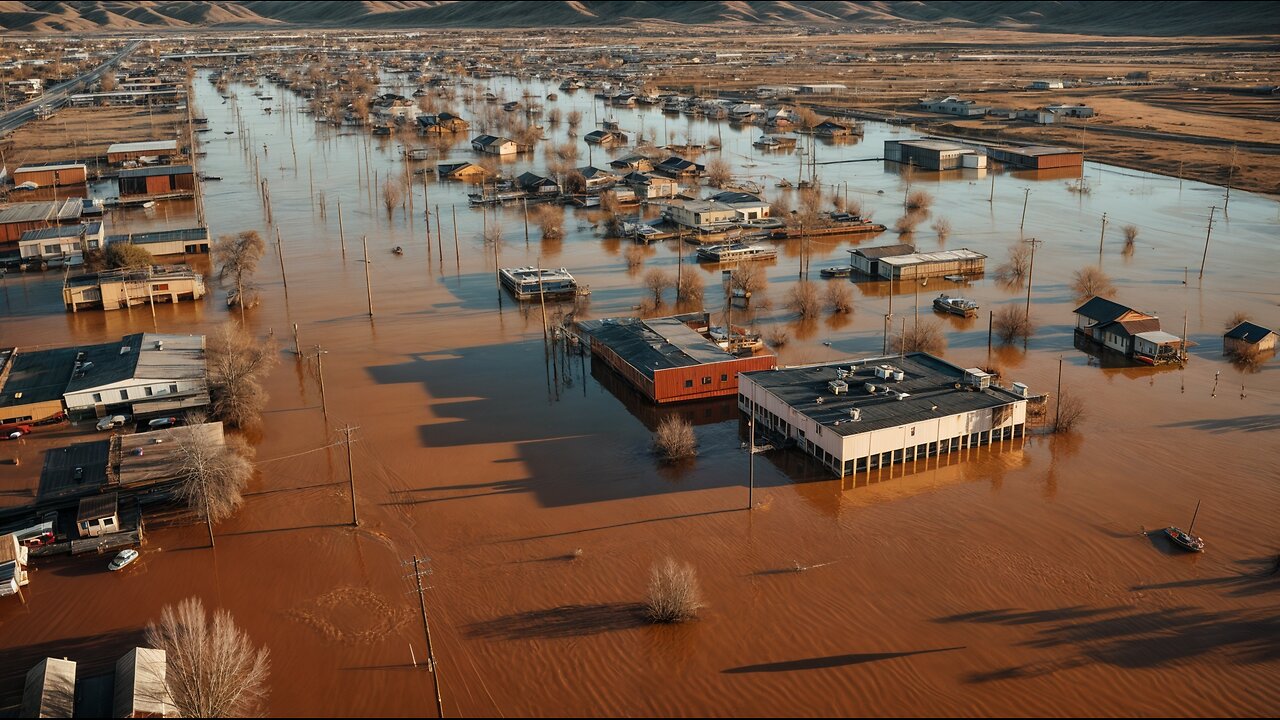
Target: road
point(57, 95)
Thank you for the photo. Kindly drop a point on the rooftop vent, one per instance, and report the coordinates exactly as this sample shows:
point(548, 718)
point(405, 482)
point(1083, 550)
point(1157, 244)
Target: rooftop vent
point(159, 344)
point(855, 414)
point(1021, 390)
point(125, 349)
point(838, 387)
point(871, 388)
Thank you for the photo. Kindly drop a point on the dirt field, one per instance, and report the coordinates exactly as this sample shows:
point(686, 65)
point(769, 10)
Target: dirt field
point(1185, 121)
point(85, 133)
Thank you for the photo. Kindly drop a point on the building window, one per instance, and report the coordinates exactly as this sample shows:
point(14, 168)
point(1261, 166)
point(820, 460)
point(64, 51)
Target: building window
point(706, 380)
point(724, 377)
point(173, 388)
point(97, 397)
point(161, 286)
point(149, 391)
point(124, 394)
point(688, 383)
point(108, 521)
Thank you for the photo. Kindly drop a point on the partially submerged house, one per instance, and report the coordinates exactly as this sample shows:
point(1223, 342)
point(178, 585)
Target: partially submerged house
point(60, 242)
point(902, 262)
point(151, 150)
point(117, 289)
point(650, 186)
point(1247, 338)
point(462, 171)
point(678, 168)
point(13, 565)
point(535, 184)
point(836, 128)
point(140, 689)
point(605, 138)
point(52, 174)
point(494, 145)
point(142, 368)
point(1134, 334)
point(595, 179)
point(183, 241)
point(98, 515)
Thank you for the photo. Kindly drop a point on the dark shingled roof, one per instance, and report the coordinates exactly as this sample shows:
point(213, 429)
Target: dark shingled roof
point(109, 364)
point(1248, 332)
point(1102, 310)
point(656, 343)
point(96, 507)
point(40, 375)
point(875, 253)
point(929, 382)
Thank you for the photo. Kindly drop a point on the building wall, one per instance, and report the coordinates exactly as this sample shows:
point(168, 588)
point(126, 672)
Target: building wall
point(695, 382)
point(45, 178)
point(30, 411)
point(12, 232)
point(114, 295)
point(973, 266)
point(1232, 345)
point(127, 392)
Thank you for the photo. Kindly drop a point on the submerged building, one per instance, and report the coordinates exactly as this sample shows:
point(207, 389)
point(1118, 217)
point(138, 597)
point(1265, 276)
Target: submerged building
point(856, 415)
point(670, 359)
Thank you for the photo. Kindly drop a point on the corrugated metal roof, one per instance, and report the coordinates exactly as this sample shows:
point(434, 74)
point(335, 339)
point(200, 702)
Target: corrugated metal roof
point(96, 507)
point(875, 253)
point(156, 170)
point(654, 344)
point(28, 212)
point(44, 167)
point(62, 231)
point(161, 236)
point(940, 256)
point(145, 146)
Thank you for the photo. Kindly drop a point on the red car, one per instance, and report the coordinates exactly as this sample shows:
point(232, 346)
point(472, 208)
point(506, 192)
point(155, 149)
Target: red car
point(13, 432)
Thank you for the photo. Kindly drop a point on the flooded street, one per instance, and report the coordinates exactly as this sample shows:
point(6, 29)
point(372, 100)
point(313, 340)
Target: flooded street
point(996, 581)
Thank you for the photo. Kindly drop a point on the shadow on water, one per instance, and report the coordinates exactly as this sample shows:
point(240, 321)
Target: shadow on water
point(832, 661)
point(1247, 423)
point(1265, 579)
point(1130, 638)
point(92, 654)
point(566, 621)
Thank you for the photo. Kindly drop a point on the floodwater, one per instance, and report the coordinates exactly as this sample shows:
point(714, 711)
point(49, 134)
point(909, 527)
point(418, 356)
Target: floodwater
point(1016, 580)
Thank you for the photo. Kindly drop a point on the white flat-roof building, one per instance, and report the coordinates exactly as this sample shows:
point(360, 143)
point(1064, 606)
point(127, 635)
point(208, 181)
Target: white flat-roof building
point(856, 415)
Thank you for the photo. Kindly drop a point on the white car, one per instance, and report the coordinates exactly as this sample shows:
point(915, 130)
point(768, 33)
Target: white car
point(124, 558)
point(112, 421)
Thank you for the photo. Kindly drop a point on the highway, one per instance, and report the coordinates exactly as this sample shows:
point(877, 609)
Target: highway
point(57, 95)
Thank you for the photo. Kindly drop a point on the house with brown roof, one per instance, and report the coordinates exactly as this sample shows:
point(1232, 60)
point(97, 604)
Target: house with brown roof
point(1130, 332)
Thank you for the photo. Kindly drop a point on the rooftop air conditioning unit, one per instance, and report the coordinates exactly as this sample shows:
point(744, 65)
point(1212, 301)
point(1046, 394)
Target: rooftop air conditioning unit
point(855, 414)
point(1021, 390)
point(898, 375)
point(159, 344)
point(838, 387)
point(871, 388)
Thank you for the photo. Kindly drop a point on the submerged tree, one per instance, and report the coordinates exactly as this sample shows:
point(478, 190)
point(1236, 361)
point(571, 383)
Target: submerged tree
point(1011, 323)
point(674, 594)
point(1091, 281)
point(126, 255)
point(213, 473)
point(212, 668)
point(237, 257)
point(674, 439)
point(237, 365)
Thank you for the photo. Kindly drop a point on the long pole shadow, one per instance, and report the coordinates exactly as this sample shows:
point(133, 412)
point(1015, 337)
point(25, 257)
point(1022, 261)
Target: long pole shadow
point(831, 661)
point(618, 525)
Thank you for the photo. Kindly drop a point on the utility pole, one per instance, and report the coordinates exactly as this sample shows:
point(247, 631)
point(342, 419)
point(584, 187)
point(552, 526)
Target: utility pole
point(1031, 268)
point(992, 198)
point(1207, 231)
point(1026, 195)
point(1057, 399)
point(280, 250)
point(342, 238)
point(368, 288)
point(1102, 235)
point(418, 572)
point(1231, 172)
point(351, 474)
point(751, 452)
point(320, 353)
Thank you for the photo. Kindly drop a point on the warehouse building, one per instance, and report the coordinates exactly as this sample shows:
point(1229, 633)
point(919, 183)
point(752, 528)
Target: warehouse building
point(157, 182)
point(933, 154)
point(1036, 157)
point(184, 241)
point(161, 150)
point(52, 174)
point(669, 359)
point(60, 241)
point(901, 262)
point(125, 288)
point(857, 415)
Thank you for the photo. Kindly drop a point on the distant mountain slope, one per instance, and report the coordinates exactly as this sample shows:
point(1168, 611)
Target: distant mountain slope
point(1139, 17)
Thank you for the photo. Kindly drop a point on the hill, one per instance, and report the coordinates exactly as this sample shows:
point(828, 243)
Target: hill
point(1141, 17)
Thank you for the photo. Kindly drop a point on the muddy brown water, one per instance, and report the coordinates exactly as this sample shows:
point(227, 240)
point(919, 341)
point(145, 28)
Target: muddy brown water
point(1016, 579)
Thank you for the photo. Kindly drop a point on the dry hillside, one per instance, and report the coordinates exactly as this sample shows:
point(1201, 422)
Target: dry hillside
point(1184, 17)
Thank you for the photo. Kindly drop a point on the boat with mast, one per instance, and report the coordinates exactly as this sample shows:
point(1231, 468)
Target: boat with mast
point(1186, 540)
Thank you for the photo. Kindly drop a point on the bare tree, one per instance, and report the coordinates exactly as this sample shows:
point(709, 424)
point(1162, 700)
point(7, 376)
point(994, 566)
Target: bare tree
point(1014, 270)
point(574, 119)
point(493, 231)
point(213, 472)
point(803, 300)
point(748, 278)
point(237, 258)
point(806, 118)
point(942, 226)
point(237, 365)
point(657, 281)
point(107, 81)
point(392, 194)
point(1069, 413)
point(1130, 238)
point(778, 337)
point(674, 439)
point(919, 200)
point(839, 296)
point(689, 288)
point(1236, 318)
point(908, 222)
point(553, 116)
point(719, 173)
point(926, 336)
point(551, 219)
point(634, 255)
point(674, 595)
point(212, 668)
point(1012, 323)
point(1091, 281)
point(781, 207)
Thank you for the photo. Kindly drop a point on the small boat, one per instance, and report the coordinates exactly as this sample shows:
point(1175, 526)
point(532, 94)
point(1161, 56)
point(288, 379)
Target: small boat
point(149, 204)
point(736, 340)
point(209, 178)
point(836, 271)
point(397, 250)
point(956, 306)
point(956, 278)
point(1184, 539)
point(228, 132)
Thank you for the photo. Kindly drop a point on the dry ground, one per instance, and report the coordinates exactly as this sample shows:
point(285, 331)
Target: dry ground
point(85, 133)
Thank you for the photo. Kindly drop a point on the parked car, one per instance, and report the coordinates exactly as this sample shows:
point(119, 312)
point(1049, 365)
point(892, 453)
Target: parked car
point(125, 557)
point(162, 423)
point(112, 422)
point(13, 432)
